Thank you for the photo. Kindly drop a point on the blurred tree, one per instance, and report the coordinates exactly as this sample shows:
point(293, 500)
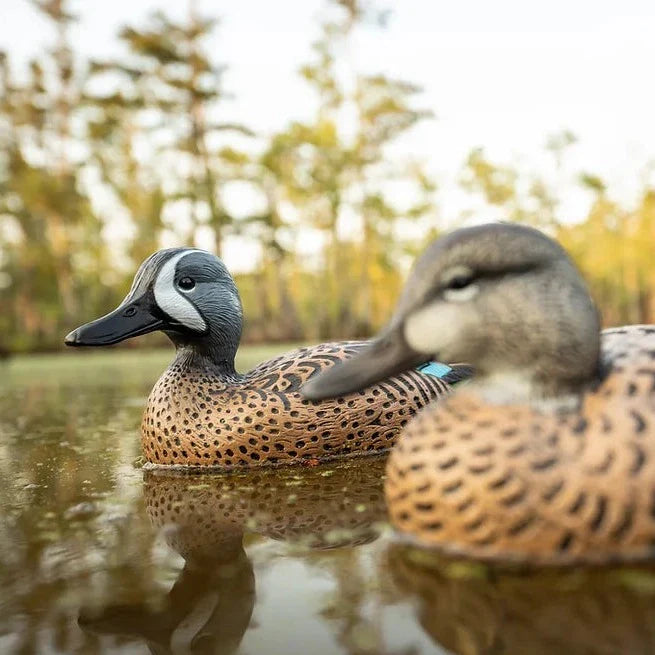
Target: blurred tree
point(113, 135)
point(334, 168)
point(174, 87)
point(612, 245)
point(138, 145)
point(274, 309)
point(51, 235)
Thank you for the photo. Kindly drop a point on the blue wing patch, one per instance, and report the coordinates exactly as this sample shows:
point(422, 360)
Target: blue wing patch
point(435, 369)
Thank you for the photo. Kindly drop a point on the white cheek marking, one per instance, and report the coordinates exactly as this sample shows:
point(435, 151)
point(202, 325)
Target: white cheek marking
point(433, 328)
point(173, 303)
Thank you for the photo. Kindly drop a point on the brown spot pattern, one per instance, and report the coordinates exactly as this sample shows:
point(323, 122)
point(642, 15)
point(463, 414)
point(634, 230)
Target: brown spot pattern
point(514, 483)
point(195, 418)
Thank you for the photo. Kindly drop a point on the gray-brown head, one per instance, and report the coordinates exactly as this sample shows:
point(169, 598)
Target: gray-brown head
point(504, 298)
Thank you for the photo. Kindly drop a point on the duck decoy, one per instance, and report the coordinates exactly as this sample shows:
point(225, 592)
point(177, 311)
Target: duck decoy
point(202, 412)
point(548, 454)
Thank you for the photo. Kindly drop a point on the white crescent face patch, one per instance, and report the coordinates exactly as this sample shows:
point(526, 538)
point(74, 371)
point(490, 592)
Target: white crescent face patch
point(171, 301)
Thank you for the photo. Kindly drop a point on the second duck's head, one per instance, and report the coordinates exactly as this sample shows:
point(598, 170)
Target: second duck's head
point(189, 294)
point(504, 298)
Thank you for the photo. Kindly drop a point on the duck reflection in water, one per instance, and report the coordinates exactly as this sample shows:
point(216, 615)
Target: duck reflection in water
point(204, 519)
point(468, 607)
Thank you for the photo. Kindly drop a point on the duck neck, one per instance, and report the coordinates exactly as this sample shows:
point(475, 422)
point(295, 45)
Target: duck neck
point(524, 388)
point(215, 356)
point(189, 358)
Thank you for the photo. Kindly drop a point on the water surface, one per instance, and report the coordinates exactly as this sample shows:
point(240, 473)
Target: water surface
point(99, 556)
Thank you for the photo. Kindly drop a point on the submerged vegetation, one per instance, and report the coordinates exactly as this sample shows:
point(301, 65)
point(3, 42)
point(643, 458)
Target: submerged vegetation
point(138, 137)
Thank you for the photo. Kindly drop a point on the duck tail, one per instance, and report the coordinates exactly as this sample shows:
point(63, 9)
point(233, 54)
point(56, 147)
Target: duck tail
point(458, 373)
point(450, 373)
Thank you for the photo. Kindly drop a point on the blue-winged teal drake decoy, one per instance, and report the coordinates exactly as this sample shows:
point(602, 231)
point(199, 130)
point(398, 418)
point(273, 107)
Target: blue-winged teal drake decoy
point(548, 454)
point(202, 412)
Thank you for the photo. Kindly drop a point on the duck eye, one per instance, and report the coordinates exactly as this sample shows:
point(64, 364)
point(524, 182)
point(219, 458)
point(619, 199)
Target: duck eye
point(186, 284)
point(460, 286)
point(460, 281)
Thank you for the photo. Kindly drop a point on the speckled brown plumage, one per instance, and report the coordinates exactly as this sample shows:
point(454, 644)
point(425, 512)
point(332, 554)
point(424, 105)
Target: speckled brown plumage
point(512, 482)
point(196, 418)
point(469, 608)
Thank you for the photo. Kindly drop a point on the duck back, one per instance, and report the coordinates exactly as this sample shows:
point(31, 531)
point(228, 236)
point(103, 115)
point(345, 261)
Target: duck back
point(197, 418)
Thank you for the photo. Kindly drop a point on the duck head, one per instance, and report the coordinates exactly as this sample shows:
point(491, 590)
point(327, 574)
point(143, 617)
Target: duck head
point(504, 298)
point(186, 293)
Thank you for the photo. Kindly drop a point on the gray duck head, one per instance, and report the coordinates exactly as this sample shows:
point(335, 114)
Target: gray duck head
point(504, 298)
point(189, 294)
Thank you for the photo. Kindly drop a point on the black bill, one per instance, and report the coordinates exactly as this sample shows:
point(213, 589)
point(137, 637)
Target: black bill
point(131, 319)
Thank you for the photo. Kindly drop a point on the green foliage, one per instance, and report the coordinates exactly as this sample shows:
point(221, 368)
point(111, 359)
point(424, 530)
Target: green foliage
point(50, 233)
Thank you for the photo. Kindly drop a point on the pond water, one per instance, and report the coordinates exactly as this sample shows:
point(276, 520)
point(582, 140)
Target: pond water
point(99, 556)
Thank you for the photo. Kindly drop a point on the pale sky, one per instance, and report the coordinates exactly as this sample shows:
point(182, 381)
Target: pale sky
point(503, 75)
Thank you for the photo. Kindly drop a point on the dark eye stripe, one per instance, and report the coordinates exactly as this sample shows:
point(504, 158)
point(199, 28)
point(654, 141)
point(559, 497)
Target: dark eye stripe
point(460, 281)
point(491, 274)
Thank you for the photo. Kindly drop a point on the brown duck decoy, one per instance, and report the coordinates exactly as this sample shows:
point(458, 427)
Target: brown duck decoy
point(202, 412)
point(548, 455)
